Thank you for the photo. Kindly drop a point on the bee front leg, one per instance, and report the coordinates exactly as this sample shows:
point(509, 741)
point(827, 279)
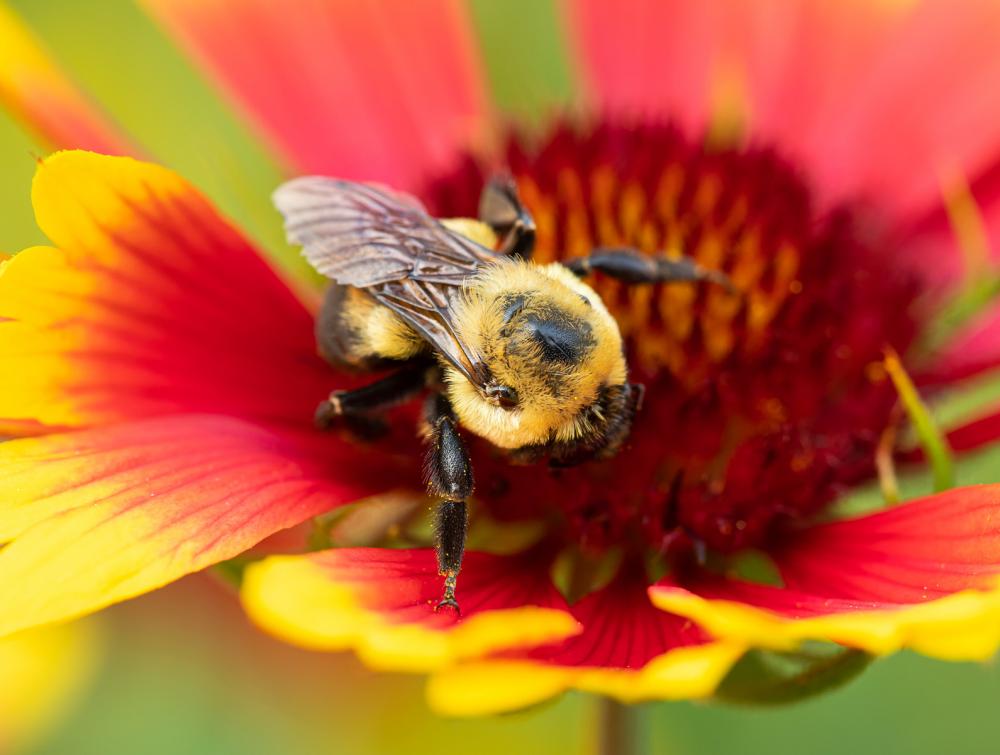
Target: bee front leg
point(501, 209)
point(630, 266)
point(448, 473)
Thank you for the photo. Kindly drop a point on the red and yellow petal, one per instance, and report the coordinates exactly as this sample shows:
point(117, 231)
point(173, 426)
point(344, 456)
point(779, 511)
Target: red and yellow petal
point(38, 92)
point(381, 603)
point(628, 650)
point(363, 90)
point(96, 516)
point(151, 304)
point(923, 575)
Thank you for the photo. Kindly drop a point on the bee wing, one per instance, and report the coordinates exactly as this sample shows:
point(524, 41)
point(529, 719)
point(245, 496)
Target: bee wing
point(384, 241)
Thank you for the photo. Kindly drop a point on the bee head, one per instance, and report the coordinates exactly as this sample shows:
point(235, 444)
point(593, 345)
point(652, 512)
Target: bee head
point(549, 350)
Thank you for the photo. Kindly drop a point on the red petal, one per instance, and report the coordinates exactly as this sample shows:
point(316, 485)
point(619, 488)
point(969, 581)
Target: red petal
point(913, 552)
point(882, 100)
point(803, 60)
point(363, 90)
point(100, 515)
point(647, 57)
point(622, 629)
point(974, 350)
point(975, 433)
point(906, 576)
point(151, 305)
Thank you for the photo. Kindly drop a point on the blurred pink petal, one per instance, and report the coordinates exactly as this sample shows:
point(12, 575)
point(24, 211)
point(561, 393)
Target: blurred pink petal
point(972, 351)
point(926, 105)
point(644, 57)
point(802, 60)
point(940, 246)
point(875, 99)
point(363, 90)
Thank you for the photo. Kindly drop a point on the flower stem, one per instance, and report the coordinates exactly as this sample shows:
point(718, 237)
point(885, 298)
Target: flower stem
point(619, 729)
point(885, 465)
point(934, 442)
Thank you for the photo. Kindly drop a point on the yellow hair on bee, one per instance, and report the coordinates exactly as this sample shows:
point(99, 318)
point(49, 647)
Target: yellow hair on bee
point(356, 330)
point(376, 330)
point(475, 230)
point(547, 335)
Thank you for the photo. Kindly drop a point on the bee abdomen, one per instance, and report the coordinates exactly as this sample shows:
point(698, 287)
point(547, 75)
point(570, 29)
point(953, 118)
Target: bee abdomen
point(355, 332)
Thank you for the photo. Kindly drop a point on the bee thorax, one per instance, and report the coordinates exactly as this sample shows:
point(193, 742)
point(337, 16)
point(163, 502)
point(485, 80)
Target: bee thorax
point(548, 347)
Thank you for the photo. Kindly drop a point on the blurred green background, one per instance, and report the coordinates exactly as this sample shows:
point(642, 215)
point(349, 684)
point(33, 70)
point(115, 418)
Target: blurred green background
point(184, 673)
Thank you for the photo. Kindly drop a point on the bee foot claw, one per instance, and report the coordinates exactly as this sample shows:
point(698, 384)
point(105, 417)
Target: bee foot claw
point(327, 412)
point(448, 599)
point(448, 603)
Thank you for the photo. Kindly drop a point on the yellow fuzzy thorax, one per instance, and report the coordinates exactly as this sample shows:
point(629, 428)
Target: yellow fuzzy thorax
point(551, 393)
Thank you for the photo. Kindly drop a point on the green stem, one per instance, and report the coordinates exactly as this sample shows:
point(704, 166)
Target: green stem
point(934, 442)
point(619, 728)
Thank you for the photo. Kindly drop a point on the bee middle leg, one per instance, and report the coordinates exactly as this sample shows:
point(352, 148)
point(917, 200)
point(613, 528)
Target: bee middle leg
point(448, 473)
point(359, 404)
point(501, 209)
point(630, 266)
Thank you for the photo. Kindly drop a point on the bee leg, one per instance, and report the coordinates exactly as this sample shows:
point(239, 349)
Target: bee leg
point(452, 522)
point(501, 209)
point(360, 403)
point(630, 266)
point(448, 472)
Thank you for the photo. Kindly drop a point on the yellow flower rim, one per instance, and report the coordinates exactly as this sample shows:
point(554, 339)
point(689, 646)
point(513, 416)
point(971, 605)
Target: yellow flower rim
point(962, 626)
point(496, 686)
point(298, 601)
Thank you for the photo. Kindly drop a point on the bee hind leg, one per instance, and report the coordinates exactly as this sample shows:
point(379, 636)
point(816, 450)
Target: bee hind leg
point(452, 523)
point(357, 406)
point(448, 473)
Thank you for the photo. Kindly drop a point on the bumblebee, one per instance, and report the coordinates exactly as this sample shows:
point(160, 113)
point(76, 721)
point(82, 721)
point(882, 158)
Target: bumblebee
point(525, 356)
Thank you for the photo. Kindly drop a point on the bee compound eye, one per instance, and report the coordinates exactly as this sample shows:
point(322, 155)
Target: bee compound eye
point(502, 395)
point(508, 398)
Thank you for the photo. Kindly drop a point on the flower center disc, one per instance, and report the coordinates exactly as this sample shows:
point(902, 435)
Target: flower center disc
point(759, 407)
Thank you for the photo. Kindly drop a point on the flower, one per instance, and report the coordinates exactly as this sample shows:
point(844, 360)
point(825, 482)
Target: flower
point(162, 376)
